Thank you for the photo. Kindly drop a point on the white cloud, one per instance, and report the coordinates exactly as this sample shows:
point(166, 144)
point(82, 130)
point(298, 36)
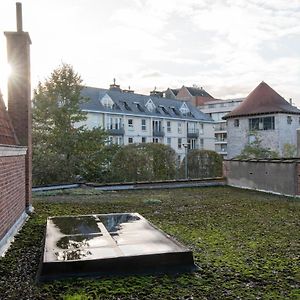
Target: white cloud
point(221, 45)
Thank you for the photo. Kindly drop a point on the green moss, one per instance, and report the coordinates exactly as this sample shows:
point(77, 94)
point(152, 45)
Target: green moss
point(245, 243)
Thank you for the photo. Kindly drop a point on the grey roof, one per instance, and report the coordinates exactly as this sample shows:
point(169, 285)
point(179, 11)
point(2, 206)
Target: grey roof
point(127, 103)
point(198, 92)
point(175, 91)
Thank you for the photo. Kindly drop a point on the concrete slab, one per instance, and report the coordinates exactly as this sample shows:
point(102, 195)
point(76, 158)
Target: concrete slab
point(109, 244)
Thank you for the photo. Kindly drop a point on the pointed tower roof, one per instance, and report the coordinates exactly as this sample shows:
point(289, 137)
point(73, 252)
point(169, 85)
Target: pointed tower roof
point(7, 133)
point(262, 100)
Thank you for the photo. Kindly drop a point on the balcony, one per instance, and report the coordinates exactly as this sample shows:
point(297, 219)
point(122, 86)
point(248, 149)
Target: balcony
point(221, 127)
point(221, 141)
point(193, 134)
point(158, 133)
point(119, 131)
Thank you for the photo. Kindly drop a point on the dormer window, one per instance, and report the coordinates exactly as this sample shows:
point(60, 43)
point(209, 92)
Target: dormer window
point(184, 109)
point(126, 106)
point(175, 111)
point(139, 106)
point(107, 102)
point(164, 110)
point(150, 105)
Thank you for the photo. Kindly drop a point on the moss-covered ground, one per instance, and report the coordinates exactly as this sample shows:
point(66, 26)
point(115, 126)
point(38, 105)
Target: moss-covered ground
point(245, 243)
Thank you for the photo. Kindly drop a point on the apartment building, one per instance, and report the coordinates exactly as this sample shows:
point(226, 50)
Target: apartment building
point(217, 109)
point(134, 118)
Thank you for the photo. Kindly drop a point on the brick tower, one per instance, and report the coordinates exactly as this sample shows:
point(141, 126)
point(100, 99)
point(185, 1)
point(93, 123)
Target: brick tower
point(19, 92)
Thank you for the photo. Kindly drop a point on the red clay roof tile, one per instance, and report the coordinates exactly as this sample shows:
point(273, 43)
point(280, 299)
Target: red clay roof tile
point(262, 100)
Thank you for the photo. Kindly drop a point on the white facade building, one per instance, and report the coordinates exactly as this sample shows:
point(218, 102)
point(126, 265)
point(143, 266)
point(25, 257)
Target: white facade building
point(134, 118)
point(264, 113)
point(217, 109)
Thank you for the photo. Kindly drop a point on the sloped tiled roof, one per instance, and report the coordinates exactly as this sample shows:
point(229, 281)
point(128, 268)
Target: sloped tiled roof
point(198, 92)
point(175, 91)
point(7, 133)
point(262, 100)
point(168, 108)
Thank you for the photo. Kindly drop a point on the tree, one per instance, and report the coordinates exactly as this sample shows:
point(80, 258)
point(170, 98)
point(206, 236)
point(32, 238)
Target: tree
point(144, 162)
point(202, 164)
point(61, 145)
point(255, 149)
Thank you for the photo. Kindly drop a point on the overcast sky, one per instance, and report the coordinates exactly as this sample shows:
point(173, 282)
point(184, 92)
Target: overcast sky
point(226, 46)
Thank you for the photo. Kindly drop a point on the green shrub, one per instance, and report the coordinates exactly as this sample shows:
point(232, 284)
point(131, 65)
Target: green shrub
point(144, 162)
point(202, 164)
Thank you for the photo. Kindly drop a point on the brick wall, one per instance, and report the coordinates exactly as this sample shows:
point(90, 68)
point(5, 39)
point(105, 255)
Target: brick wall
point(12, 189)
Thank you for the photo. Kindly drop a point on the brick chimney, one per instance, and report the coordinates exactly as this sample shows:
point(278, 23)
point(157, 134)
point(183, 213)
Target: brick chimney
point(19, 92)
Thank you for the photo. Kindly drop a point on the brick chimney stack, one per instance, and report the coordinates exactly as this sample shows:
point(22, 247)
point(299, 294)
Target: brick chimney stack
point(19, 92)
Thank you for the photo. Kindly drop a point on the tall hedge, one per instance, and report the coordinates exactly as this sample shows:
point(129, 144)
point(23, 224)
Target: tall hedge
point(144, 162)
point(202, 164)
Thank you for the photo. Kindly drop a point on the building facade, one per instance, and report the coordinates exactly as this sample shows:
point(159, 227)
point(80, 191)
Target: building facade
point(266, 115)
point(195, 95)
point(133, 118)
point(15, 138)
point(217, 110)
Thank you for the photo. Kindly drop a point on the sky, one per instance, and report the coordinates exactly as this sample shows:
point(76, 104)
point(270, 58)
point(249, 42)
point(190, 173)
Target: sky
point(225, 46)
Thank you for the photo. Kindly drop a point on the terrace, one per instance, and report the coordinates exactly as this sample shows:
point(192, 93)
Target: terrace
point(245, 243)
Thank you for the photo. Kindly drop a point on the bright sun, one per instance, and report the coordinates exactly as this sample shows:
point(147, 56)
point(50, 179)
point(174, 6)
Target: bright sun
point(7, 71)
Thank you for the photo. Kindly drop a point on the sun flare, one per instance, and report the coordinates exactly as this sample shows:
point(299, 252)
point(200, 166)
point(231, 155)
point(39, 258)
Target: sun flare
point(7, 72)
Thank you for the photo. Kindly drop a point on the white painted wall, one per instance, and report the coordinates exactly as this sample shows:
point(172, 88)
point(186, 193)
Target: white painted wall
point(238, 137)
point(99, 119)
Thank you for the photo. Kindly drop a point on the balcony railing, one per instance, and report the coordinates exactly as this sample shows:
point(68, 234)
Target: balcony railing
point(193, 133)
point(222, 127)
point(224, 140)
point(158, 133)
point(119, 131)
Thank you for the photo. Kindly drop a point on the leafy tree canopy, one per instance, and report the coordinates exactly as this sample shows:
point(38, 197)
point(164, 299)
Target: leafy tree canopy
point(62, 146)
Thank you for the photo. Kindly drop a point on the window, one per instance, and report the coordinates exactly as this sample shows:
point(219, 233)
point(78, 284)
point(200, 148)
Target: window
point(130, 124)
point(143, 139)
point(184, 109)
point(150, 105)
point(168, 126)
point(127, 107)
point(265, 123)
point(201, 143)
point(211, 105)
point(289, 120)
point(192, 144)
point(236, 123)
point(119, 140)
point(107, 102)
point(179, 127)
point(144, 125)
point(175, 111)
point(139, 107)
point(164, 109)
point(179, 143)
point(156, 140)
point(130, 140)
point(201, 129)
point(169, 141)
